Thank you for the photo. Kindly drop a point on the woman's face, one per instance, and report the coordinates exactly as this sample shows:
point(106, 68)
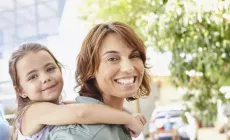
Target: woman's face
point(121, 69)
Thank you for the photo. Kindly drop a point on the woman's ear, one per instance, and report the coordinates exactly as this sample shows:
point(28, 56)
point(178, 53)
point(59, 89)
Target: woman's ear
point(93, 76)
point(20, 91)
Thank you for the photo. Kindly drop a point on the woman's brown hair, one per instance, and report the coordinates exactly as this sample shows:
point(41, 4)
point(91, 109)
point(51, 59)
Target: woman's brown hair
point(88, 59)
point(15, 57)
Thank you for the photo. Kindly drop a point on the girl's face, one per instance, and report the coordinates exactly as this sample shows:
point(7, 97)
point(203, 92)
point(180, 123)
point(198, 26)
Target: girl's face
point(39, 76)
point(121, 69)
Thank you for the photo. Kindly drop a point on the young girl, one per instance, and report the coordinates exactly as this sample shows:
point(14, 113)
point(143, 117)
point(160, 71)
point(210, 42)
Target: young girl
point(38, 82)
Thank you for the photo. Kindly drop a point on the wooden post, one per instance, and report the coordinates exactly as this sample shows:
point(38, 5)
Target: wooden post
point(137, 106)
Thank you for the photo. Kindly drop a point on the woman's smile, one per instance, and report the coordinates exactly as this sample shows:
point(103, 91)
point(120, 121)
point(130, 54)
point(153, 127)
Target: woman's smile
point(121, 69)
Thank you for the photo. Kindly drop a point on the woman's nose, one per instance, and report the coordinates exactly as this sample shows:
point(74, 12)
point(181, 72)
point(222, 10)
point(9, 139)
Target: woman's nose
point(126, 66)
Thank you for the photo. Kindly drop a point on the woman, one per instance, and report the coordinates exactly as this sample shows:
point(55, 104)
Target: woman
point(110, 68)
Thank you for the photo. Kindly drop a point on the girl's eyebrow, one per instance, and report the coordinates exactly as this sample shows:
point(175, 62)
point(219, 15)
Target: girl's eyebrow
point(49, 63)
point(32, 71)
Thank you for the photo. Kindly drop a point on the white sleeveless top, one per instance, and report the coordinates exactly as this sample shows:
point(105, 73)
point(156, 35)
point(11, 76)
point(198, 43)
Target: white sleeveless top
point(41, 135)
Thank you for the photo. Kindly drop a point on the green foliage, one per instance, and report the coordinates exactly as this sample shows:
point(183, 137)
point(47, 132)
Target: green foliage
point(197, 35)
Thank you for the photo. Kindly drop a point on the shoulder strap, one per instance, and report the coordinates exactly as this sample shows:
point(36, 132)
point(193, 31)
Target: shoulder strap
point(19, 119)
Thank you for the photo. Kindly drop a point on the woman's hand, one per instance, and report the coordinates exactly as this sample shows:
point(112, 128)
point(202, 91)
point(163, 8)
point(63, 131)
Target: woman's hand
point(136, 125)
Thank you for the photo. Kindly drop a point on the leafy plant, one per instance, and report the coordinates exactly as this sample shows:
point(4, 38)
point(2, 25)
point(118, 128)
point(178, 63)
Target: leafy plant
point(197, 35)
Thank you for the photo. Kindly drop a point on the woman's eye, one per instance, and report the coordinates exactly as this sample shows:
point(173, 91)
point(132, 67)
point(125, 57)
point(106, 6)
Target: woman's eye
point(32, 77)
point(112, 59)
point(135, 56)
point(51, 69)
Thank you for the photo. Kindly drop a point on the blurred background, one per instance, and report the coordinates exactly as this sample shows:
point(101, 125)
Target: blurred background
point(188, 49)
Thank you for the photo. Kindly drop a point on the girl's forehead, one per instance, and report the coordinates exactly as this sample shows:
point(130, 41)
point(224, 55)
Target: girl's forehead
point(31, 56)
point(34, 60)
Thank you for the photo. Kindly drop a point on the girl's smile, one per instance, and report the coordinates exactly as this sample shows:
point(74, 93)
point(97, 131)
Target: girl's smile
point(40, 77)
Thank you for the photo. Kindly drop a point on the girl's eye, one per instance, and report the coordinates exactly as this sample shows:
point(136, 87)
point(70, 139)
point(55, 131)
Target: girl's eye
point(51, 69)
point(32, 77)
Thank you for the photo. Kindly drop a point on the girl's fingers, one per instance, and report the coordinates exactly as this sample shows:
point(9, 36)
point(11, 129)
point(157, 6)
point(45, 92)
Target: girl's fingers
point(145, 120)
point(142, 119)
point(133, 134)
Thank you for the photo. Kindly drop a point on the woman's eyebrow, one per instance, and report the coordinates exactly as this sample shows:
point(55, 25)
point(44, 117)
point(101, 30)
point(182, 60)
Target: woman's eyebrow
point(135, 50)
point(110, 52)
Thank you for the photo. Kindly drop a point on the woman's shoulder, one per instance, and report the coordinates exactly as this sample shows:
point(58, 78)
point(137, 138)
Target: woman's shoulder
point(83, 99)
point(79, 129)
point(92, 131)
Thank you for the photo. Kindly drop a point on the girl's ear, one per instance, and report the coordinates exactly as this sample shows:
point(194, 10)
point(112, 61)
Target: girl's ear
point(20, 91)
point(60, 69)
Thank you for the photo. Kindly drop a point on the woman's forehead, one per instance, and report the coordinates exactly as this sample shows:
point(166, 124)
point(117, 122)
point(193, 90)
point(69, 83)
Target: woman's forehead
point(116, 43)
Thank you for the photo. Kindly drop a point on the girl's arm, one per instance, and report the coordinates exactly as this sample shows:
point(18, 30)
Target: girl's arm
point(45, 113)
point(69, 102)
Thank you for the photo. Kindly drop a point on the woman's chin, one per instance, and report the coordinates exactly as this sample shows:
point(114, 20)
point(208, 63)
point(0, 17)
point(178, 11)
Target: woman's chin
point(130, 94)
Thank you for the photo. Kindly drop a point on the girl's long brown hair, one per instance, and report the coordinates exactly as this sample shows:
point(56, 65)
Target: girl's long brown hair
point(88, 59)
point(18, 54)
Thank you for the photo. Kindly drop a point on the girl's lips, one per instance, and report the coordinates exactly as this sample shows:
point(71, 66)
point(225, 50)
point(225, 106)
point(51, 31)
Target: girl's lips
point(49, 88)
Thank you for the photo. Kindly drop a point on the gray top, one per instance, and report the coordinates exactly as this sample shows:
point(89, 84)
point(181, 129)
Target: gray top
point(89, 132)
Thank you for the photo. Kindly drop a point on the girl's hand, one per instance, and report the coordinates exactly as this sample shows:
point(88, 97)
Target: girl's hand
point(141, 118)
point(136, 125)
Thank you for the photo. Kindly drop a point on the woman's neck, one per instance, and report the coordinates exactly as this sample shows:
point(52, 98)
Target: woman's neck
point(114, 102)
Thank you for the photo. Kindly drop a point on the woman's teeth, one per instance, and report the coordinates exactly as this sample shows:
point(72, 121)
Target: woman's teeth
point(125, 81)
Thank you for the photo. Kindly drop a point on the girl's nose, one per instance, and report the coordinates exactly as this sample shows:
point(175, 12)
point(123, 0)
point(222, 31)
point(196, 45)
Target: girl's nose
point(45, 78)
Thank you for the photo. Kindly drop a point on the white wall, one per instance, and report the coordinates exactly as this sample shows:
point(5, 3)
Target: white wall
point(67, 45)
